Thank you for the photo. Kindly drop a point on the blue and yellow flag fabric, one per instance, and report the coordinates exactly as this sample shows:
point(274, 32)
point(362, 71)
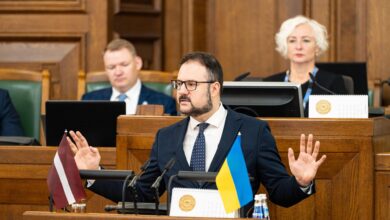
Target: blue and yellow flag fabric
point(233, 180)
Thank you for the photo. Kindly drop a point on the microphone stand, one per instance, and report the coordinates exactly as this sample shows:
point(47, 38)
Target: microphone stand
point(135, 197)
point(124, 187)
point(313, 79)
point(156, 184)
point(157, 198)
point(133, 182)
point(51, 202)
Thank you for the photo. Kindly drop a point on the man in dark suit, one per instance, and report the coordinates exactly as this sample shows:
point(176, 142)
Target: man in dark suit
point(9, 119)
point(122, 67)
point(199, 88)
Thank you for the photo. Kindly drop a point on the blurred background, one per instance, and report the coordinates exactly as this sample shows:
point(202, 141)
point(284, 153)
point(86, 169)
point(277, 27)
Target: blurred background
point(66, 36)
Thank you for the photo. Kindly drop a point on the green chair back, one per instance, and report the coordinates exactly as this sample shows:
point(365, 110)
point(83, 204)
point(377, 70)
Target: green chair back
point(28, 91)
point(26, 97)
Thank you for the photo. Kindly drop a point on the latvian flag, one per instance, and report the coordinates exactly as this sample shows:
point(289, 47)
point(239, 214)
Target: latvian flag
point(64, 180)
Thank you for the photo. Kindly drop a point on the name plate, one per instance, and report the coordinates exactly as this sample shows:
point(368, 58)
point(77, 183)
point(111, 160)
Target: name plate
point(187, 202)
point(338, 106)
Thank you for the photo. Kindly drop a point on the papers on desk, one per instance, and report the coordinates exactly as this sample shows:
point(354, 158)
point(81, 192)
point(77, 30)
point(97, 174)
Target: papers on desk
point(338, 106)
point(198, 203)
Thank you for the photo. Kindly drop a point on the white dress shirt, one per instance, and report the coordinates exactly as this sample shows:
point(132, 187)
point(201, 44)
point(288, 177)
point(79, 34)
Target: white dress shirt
point(212, 133)
point(132, 97)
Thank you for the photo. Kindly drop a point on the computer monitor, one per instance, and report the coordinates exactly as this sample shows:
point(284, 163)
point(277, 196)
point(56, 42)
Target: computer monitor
point(264, 99)
point(356, 70)
point(96, 120)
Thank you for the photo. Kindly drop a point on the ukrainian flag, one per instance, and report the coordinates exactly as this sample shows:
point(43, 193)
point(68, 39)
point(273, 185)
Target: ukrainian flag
point(233, 181)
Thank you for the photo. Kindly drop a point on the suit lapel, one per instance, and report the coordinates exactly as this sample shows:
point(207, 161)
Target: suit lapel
point(180, 134)
point(232, 125)
point(143, 96)
point(106, 94)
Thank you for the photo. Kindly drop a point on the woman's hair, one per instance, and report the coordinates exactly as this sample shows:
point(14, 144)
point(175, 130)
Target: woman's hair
point(288, 27)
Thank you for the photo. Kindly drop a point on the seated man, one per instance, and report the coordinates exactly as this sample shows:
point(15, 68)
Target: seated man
point(199, 87)
point(122, 67)
point(9, 119)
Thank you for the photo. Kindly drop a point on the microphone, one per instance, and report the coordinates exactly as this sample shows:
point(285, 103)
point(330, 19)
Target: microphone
point(197, 175)
point(242, 76)
point(132, 184)
point(136, 177)
point(109, 208)
point(157, 182)
point(167, 167)
point(105, 174)
point(143, 208)
point(319, 85)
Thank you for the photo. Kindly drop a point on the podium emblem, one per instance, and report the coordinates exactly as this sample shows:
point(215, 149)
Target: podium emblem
point(323, 107)
point(187, 203)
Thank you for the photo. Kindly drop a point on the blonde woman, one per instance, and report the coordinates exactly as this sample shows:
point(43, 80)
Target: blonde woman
point(301, 40)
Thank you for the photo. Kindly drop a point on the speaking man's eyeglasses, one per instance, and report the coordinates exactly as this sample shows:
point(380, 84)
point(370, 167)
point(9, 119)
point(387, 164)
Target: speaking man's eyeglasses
point(190, 85)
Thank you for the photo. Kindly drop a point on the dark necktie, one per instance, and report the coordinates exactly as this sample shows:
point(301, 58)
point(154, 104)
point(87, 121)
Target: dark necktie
point(122, 97)
point(198, 157)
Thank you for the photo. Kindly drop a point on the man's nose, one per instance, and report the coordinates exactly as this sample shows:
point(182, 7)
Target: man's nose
point(117, 70)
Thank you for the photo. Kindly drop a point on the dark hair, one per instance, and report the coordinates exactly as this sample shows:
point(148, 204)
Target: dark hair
point(210, 62)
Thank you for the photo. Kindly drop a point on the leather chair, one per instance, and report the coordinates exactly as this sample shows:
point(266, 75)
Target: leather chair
point(29, 91)
point(154, 79)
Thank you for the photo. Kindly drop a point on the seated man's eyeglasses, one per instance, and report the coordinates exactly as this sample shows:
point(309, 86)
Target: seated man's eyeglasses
point(189, 84)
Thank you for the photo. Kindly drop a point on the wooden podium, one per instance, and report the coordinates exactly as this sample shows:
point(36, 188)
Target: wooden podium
point(23, 173)
point(35, 215)
point(345, 182)
point(353, 183)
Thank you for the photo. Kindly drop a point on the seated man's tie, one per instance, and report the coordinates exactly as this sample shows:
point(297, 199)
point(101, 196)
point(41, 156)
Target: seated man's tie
point(122, 97)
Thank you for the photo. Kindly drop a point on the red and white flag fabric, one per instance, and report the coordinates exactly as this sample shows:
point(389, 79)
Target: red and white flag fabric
point(64, 179)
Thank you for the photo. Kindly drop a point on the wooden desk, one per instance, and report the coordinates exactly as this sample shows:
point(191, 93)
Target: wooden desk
point(23, 173)
point(345, 182)
point(382, 185)
point(35, 215)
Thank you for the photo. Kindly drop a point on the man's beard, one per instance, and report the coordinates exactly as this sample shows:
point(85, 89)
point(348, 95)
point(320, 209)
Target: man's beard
point(195, 111)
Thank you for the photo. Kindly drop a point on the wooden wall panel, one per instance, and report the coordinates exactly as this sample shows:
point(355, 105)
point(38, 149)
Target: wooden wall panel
point(140, 22)
point(378, 43)
point(242, 37)
point(63, 36)
point(42, 5)
point(241, 33)
point(382, 185)
point(61, 59)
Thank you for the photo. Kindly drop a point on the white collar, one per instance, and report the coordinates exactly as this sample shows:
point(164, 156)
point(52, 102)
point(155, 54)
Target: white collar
point(132, 93)
point(215, 120)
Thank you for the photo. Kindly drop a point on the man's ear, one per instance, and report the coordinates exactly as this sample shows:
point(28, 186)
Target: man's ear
point(138, 62)
point(215, 89)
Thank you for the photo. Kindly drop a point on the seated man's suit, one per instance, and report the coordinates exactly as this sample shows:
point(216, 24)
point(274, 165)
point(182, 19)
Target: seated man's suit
point(147, 96)
point(9, 119)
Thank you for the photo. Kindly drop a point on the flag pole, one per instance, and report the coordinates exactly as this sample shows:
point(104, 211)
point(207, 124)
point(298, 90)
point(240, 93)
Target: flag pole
point(50, 203)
